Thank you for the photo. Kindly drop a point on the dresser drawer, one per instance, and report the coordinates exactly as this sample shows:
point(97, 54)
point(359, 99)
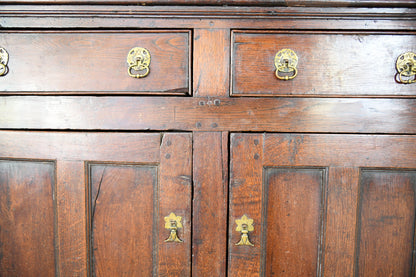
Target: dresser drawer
point(96, 62)
point(328, 63)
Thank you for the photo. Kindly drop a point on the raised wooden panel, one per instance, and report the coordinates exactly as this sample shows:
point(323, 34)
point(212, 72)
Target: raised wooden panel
point(292, 215)
point(326, 207)
point(122, 183)
point(329, 64)
point(387, 223)
point(55, 62)
point(27, 221)
point(122, 205)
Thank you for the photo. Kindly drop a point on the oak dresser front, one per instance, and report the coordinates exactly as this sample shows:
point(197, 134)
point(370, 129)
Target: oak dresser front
point(207, 138)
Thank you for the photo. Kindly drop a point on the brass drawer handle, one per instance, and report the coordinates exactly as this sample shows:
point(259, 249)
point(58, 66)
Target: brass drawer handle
point(4, 59)
point(244, 225)
point(406, 68)
point(173, 223)
point(139, 61)
point(286, 61)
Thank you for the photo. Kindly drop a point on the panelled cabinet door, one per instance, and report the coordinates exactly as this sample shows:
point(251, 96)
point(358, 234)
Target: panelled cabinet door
point(322, 205)
point(74, 204)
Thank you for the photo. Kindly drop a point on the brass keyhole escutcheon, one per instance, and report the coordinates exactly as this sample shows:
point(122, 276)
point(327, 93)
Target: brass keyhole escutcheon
point(244, 226)
point(138, 60)
point(285, 62)
point(406, 68)
point(173, 223)
point(4, 59)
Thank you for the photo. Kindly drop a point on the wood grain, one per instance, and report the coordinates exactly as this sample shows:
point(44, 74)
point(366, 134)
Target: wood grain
point(71, 193)
point(214, 114)
point(303, 3)
point(292, 221)
point(246, 169)
point(78, 146)
point(329, 64)
point(122, 219)
point(387, 223)
point(54, 63)
point(284, 164)
point(343, 190)
point(127, 157)
point(341, 150)
point(27, 222)
point(211, 56)
point(210, 171)
point(208, 17)
point(175, 195)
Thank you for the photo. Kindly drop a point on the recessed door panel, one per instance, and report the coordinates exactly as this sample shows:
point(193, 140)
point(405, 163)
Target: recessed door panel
point(27, 221)
point(122, 208)
point(101, 208)
point(293, 200)
point(387, 218)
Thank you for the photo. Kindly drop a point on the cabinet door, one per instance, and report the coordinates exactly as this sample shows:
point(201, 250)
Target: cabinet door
point(322, 205)
point(76, 204)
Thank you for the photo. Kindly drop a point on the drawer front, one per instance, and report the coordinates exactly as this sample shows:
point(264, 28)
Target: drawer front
point(328, 64)
point(95, 62)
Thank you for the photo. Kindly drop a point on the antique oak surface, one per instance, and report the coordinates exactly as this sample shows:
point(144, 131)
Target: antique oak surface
point(209, 165)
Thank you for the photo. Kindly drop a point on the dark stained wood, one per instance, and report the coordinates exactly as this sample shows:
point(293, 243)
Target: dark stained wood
point(129, 159)
point(216, 114)
point(71, 207)
point(27, 222)
point(122, 211)
point(294, 199)
point(341, 150)
point(210, 171)
point(292, 220)
point(330, 64)
point(54, 63)
point(307, 187)
point(245, 195)
point(61, 146)
point(387, 223)
point(340, 222)
point(303, 3)
point(175, 195)
point(136, 16)
point(294, 202)
point(211, 62)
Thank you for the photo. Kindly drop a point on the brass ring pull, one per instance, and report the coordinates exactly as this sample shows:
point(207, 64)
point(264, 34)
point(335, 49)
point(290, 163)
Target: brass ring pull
point(406, 68)
point(244, 226)
point(139, 62)
point(4, 59)
point(286, 77)
point(132, 67)
point(173, 223)
point(285, 62)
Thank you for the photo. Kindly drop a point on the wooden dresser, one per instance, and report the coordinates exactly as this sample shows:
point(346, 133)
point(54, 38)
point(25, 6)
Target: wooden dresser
point(207, 138)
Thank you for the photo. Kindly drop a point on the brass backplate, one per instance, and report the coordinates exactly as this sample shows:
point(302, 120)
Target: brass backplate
point(138, 60)
point(406, 68)
point(173, 223)
point(4, 59)
point(244, 225)
point(286, 61)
